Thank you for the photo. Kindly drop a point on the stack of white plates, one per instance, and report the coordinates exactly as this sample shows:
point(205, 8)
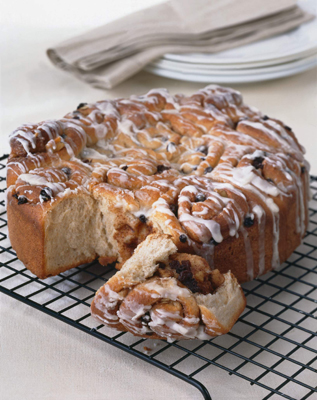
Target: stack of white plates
point(279, 56)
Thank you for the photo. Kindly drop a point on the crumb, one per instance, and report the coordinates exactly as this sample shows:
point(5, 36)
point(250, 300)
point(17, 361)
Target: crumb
point(147, 349)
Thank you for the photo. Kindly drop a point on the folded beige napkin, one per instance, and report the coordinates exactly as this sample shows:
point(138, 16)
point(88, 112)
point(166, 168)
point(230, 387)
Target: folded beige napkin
point(106, 56)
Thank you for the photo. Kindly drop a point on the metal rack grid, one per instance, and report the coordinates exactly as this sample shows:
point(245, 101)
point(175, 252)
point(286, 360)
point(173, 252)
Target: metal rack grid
point(273, 345)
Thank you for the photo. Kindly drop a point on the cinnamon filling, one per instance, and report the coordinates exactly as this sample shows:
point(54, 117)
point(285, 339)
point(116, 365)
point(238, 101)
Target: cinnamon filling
point(195, 276)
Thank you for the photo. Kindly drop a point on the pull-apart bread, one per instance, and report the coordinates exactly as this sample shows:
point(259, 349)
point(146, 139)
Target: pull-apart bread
point(218, 177)
point(160, 293)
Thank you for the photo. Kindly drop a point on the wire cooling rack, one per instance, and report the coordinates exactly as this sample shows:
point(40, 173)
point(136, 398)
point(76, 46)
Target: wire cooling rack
point(273, 345)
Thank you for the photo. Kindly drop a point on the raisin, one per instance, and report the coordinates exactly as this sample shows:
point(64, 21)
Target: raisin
point(76, 117)
point(270, 180)
point(80, 105)
point(208, 169)
point(183, 238)
point(265, 118)
point(195, 168)
point(287, 128)
point(22, 200)
point(174, 264)
point(185, 275)
point(174, 209)
point(161, 265)
point(180, 267)
point(161, 168)
point(200, 197)
point(146, 318)
point(258, 162)
point(125, 167)
point(142, 218)
point(63, 135)
point(303, 169)
point(248, 221)
point(192, 285)
point(15, 196)
point(67, 171)
point(46, 194)
point(202, 149)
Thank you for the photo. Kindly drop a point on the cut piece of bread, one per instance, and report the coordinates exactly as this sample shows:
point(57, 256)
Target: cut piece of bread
point(149, 297)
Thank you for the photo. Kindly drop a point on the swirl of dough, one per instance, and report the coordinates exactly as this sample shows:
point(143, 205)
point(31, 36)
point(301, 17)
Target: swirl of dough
point(162, 306)
point(125, 180)
point(33, 138)
point(21, 165)
point(107, 301)
point(211, 211)
point(44, 184)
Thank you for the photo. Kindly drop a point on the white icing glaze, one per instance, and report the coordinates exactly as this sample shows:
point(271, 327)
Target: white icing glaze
point(141, 137)
point(35, 180)
point(248, 252)
point(261, 217)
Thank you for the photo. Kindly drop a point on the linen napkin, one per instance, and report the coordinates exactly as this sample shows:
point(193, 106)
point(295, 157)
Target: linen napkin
point(106, 56)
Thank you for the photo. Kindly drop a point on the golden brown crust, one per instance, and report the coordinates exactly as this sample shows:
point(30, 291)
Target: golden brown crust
point(30, 251)
point(223, 180)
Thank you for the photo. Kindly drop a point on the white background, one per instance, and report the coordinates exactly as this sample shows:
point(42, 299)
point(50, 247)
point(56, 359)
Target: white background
point(42, 358)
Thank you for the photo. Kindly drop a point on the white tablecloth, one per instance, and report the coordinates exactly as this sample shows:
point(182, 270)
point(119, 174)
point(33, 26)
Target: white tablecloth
point(40, 357)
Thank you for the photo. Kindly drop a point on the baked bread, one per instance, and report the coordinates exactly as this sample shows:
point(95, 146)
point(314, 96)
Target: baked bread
point(224, 181)
point(160, 293)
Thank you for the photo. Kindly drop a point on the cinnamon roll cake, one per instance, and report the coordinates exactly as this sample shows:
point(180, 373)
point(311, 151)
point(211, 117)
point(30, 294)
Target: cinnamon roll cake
point(222, 180)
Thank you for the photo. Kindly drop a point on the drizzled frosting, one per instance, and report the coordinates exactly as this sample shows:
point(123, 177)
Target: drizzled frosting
point(195, 166)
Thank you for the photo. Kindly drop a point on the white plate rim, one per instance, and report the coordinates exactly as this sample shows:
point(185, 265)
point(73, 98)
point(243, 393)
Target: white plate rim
point(242, 64)
point(182, 68)
point(188, 58)
point(229, 79)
